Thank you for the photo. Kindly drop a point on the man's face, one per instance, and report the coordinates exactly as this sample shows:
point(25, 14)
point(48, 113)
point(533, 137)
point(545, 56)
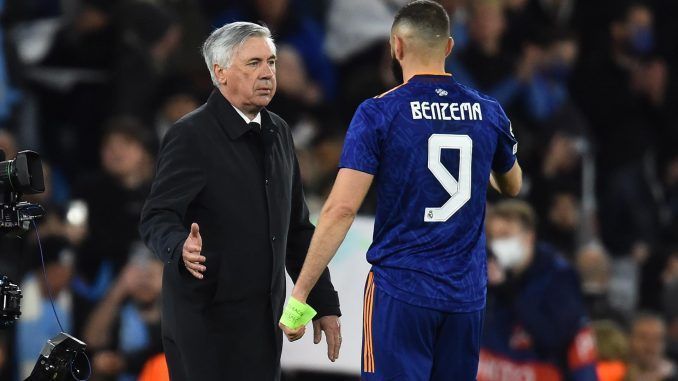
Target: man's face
point(121, 155)
point(249, 83)
point(147, 287)
point(499, 227)
point(509, 241)
point(647, 342)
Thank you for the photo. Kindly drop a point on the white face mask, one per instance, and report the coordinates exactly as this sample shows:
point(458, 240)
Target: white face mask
point(510, 252)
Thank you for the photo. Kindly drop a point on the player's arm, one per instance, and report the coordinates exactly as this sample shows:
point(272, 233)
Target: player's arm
point(335, 219)
point(508, 183)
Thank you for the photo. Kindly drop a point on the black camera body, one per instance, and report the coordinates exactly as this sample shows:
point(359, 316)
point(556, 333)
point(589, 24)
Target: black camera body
point(10, 302)
point(19, 176)
point(59, 360)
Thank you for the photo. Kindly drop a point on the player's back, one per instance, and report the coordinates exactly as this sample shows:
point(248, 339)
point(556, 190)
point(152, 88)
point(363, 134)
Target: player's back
point(431, 144)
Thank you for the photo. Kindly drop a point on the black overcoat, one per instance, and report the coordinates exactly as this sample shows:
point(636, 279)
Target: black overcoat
point(242, 186)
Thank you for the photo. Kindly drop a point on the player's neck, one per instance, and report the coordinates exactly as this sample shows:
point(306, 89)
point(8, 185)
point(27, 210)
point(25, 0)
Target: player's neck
point(413, 70)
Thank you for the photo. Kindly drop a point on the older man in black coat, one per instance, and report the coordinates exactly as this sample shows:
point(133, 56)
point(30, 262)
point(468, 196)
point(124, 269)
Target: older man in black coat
point(227, 215)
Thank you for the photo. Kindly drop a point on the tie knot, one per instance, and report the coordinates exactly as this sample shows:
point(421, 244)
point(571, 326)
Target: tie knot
point(255, 127)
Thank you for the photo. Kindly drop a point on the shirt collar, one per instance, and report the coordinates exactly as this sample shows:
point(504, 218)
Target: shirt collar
point(257, 118)
point(230, 118)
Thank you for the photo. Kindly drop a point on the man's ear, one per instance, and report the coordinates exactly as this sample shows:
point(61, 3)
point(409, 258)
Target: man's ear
point(398, 46)
point(220, 74)
point(449, 46)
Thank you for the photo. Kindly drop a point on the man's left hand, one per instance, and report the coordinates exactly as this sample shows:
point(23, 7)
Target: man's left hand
point(332, 328)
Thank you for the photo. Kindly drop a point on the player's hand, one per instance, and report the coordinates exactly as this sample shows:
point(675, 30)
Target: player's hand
point(191, 253)
point(292, 334)
point(332, 328)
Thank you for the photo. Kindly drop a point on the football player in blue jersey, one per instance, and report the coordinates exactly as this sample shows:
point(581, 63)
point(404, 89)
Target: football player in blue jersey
point(432, 146)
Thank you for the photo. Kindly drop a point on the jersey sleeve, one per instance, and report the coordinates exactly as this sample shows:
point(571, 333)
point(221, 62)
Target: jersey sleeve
point(507, 145)
point(362, 146)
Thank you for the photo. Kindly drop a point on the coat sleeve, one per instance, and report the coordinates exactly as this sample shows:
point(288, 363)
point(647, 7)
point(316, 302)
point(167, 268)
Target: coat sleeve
point(323, 298)
point(178, 180)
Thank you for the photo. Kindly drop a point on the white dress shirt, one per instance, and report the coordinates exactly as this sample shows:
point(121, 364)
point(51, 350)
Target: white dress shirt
point(257, 118)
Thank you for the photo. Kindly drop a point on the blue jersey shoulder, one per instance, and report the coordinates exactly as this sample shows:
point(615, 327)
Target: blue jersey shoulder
point(499, 119)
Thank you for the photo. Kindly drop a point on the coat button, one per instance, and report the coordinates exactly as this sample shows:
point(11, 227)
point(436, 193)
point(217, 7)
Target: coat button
point(273, 238)
point(266, 181)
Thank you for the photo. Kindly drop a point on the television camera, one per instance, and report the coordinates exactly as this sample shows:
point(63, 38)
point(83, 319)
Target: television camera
point(62, 357)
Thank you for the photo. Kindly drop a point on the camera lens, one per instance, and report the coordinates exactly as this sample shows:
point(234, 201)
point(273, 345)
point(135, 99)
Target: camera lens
point(22, 174)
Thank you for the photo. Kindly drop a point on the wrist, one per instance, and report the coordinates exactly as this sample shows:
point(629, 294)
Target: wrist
point(300, 294)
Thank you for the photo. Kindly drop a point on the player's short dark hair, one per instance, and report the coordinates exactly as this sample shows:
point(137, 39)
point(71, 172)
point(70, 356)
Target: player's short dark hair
point(429, 17)
point(516, 210)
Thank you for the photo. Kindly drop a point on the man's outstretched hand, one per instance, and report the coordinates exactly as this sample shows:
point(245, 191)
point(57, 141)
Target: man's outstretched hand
point(190, 254)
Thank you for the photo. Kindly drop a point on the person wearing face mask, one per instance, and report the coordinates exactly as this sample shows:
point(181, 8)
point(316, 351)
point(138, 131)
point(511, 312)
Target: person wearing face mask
point(536, 326)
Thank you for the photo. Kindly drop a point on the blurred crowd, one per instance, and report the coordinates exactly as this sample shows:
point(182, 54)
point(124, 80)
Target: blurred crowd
point(591, 88)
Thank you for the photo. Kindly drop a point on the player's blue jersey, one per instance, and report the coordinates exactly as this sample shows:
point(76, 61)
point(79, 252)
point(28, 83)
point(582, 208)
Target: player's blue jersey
point(431, 144)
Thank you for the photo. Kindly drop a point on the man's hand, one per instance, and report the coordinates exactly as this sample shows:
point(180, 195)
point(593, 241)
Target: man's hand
point(329, 324)
point(332, 328)
point(191, 253)
point(292, 334)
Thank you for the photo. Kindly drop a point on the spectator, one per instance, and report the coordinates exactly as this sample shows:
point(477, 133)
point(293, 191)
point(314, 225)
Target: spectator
point(647, 361)
point(124, 329)
point(458, 11)
point(357, 42)
point(175, 102)
point(613, 348)
point(623, 105)
point(630, 209)
point(484, 64)
point(536, 323)
point(74, 93)
point(556, 189)
point(594, 267)
point(9, 71)
point(38, 323)
point(112, 199)
point(293, 27)
point(150, 38)
point(548, 93)
point(563, 218)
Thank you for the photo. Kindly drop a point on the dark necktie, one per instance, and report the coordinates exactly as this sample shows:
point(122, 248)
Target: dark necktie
point(256, 128)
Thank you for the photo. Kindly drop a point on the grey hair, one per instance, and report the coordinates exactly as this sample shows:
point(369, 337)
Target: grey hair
point(221, 45)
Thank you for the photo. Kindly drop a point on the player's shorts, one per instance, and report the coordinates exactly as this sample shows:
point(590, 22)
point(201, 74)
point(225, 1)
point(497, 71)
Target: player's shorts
point(403, 342)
